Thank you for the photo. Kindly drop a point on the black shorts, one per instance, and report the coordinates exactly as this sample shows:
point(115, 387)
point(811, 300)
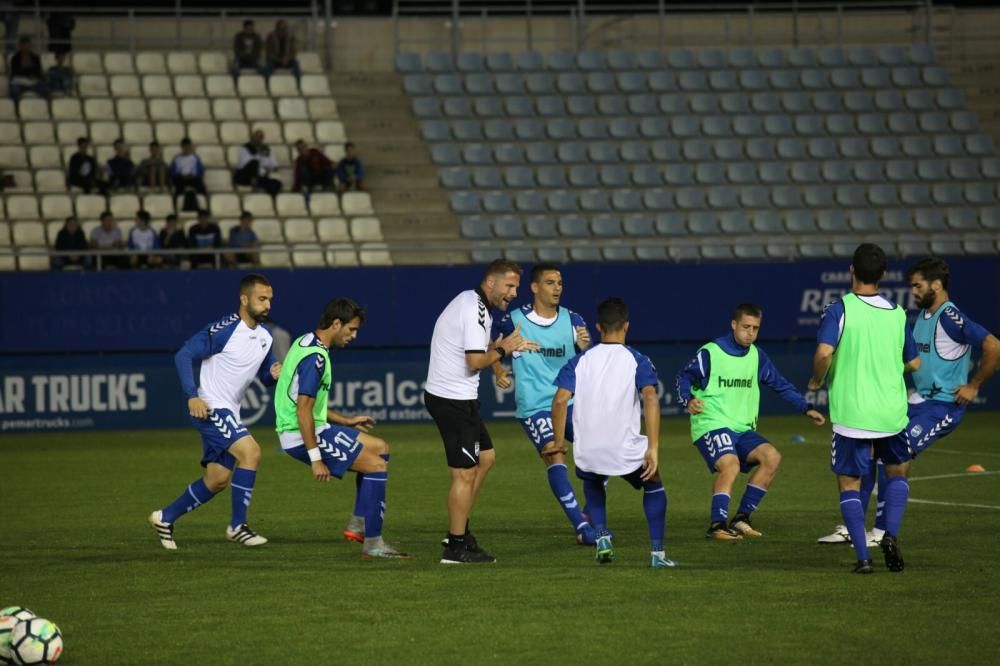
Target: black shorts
point(461, 428)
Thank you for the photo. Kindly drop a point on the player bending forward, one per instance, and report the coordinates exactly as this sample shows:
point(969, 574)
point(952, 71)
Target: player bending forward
point(306, 434)
point(606, 383)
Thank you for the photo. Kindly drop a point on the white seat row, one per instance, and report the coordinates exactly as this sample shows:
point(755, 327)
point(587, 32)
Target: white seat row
point(172, 108)
point(174, 62)
point(195, 85)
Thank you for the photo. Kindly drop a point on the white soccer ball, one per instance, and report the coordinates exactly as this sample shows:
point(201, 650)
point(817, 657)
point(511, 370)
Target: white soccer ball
point(7, 623)
point(36, 641)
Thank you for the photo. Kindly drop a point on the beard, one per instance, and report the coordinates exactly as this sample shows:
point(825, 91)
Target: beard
point(259, 317)
point(926, 301)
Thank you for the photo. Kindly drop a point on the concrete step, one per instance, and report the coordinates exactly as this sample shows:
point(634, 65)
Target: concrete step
point(383, 128)
point(412, 153)
point(432, 258)
point(416, 183)
point(414, 227)
point(365, 83)
point(384, 107)
point(404, 201)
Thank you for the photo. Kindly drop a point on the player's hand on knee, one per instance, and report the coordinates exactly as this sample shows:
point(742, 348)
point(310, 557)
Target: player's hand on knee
point(320, 471)
point(197, 408)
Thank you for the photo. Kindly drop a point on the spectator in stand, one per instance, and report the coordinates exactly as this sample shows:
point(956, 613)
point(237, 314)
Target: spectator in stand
point(121, 168)
point(70, 238)
point(255, 165)
point(108, 237)
point(26, 72)
point(203, 235)
point(313, 169)
point(247, 49)
point(187, 173)
point(143, 238)
point(281, 51)
point(172, 238)
point(242, 237)
point(152, 171)
point(350, 171)
point(61, 75)
point(83, 171)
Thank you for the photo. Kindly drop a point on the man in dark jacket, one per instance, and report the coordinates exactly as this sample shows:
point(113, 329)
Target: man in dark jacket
point(83, 171)
point(26, 72)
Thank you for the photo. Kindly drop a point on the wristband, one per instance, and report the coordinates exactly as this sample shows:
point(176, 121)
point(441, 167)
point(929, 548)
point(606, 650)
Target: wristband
point(501, 351)
point(315, 455)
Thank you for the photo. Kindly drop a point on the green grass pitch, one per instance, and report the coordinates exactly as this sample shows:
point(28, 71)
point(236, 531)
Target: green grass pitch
point(75, 547)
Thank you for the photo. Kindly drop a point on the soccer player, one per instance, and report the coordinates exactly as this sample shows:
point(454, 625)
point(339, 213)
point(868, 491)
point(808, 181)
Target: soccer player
point(720, 389)
point(865, 345)
point(559, 333)
point(607, 383)
point(231, 352)
point(303, 421)
point(945, 337)
point(460, 348)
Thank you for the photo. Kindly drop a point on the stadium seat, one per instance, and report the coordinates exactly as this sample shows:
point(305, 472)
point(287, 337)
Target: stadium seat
point(193, 85)
point(573, 226)
point(332, 230)
point(169, 133)
point(274, 256)
point(475, 227)
point(487, 178)
point(897, 219)
point(366, 229)
point(357, 203)
point(57, 206)
point(525, 201)
point(300, 230)
point(308, 257)
point(156, 85)
point(341, 256)
point(118, 63)
point(541, 226)
point(135, 132)
point(221, 85)
point(124, 206)
point(28, 233)
point(508, 227)
point(164, 108)
point(254, 108)
point(282, 85)
point(50, 180)
point(38, 132)
point(930, 219)
point(22, 207)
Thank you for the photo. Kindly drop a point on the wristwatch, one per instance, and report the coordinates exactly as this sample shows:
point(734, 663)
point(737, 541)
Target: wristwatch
point(501, 351)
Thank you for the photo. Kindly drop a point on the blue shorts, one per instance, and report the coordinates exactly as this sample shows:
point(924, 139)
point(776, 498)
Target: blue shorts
point(931, 420)
point(338, 446)
point(634, 478)
point(538, 427)
point(219, 431)
point(717, 443)
point(854, 457)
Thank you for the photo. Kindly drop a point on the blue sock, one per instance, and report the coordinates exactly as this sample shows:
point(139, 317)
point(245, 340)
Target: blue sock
point(883, 490)
point(720, 507)
point(867, 486)
point(896, 495)
point(752, 497)
point(654, 503)
point(357, 488)
point(593, 490)
point(193, 496)
point(372, 495)
point(563, 490)
point(242, 489)
point(854, 519)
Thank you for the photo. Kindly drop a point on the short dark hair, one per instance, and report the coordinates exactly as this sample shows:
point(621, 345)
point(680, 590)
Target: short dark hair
point(185, 140)
point(71, 218)
point(172, 217)
point(342, 310)
point(540, 269)
point(931, 268)
point(751, 309)
point(612, 314)
point(248, 22)
point(869, 263)
point(105, 214)
point(143, 215)
point(203, 212)
point(154, 144)
point(24, 40)
point(501, 267)
point(117, 141)
point(82, 140)
point(248, 282)
point(246, 213)
point(349, 144)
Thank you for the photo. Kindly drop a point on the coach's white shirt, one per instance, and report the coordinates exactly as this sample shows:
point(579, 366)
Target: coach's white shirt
point(226, 375)
point(464, 326)
point(606, 381)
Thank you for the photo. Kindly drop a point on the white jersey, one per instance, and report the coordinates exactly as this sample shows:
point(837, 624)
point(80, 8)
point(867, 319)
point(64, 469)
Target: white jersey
point(464, 326)
point(606, 381)
point(232, 354)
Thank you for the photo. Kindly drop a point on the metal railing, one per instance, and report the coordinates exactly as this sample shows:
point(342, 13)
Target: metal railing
point(629, 24)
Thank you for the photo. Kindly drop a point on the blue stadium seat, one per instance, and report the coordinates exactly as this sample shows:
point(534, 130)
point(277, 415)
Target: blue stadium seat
point(831, 56)
point(593, 128)
point(852, 196)
point(476, 227)
point(681, 59)
point(446, 154)
point(643, 105)
point(963, 121)
point(658, 200)
point(467, 130)
point(722, 252)
point(456, 178)
point(671, 103)
point(921, 54)
point(754, 79)
point(859, 101)
point(805, 172)
point(519, 177)
point(572, 152)
point(635, 151)
point(684, 252)
point(684, 126)
point(517, 107)
point(784, 79)
point(980, 246)
point(622, 59)
point(530, 201)
point(530, 61)
point(591, 61)
point(623, 129)
point(963, 219)
point(761, 149)
point(892, 55)
point(915, 194)
point(933, 122)
point(560, 129)
point(571, 83)
point(950, 99)
point(646, 175)
point(883, 195)
point(741, 173)
point(611, 105)
point(703, 223)
point(465, 202)
point(876, 78)
point(919, 146)
point(936, 77)
point(760, 102)
point(845, 78)
point(766, 222)
point(477, 153)
point(945, 247)
point(671, 224)
point(723, 80)
point(551, 177)
point(470, 61)
point(919, 100)
point(946, 145)
point(809, 125)
point(854, 147)
point(509, 83)
point(768, 58)
point(818, 196)
point(932, 169)
point(832, 221)
point(573, 226)
point(801, 57)
point(614, 175)
point(554, 254)
point(584, 175)
point(964, 169)
point(540, 226)
point(541, 152)
point(678, 174)
point(734, 222)
point(478, 83)
point(787, 196)
point(426, 107)
point(595, 200)
point(901, 170)
point(822, 148)
point(581, 105)
point(606, 225)
point(639, 224)
point(728, 149)
point(662, 81)
point(827, 101)
point(486, 254)
point(800, 221)
point(501, 129)
point(499, 62)
point(561, 61)
point(448, 84)
point(666, 150)
point(906, 77)
point(914, 248)
point(585, 253)
point(901, 122)
point(712, 59)
point(704, 103)
point(990, 167)
point(618, 253)
point(897, 219)
point(979, 193)
point(690, 198)
point(654, 127)
point(540, 83)
point(602, 83)
point(872, 123)
point(602, 152)
point(772, 173)
point(989, 218)
point(814, 79)
point(723, 197)
point(508, 227)
point(407, 63)
point(439, 62)
point(837, 171)
point(796, 102)
point(497, 202)
point(747, 126)
point(886, 147)
point(417, 84)
point(755, 197)
point(458, 107)
point(779, 125)
point(716, 126)
point(980, 145)
point(869, 171)
point(435, 130)
point(632, 82)
point(551, 106)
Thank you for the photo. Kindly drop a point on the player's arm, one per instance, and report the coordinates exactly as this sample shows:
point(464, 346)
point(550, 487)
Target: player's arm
point(197, 348)
point(269, 370)
point(911, 357)
point(827, 339)
point(364, 422)
point(477, 359)
point(695, 373)
point(963, 330)
point(560, 411)
point(822, 360)
point(768, 375)
point(501, 373)
point(310, 372)
point(581, 336)
point(651, 415)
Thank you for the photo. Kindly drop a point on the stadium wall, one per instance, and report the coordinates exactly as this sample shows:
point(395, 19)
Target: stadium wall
point(95, 350)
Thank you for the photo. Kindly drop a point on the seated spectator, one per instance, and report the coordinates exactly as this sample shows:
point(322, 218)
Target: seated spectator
point(70, 238)
point(350, 171)
point(26, 72)
point(205, 234)
point(152, 171)
point(255, 165)
point(62, 77)
point(108, 237)
point(187, 175)
point(121, 168)
point(247, 49)
point(83, 171)
point(281, 51)
point(143, 238)
point(242, 237)
point(172, 238)
point(313, 169)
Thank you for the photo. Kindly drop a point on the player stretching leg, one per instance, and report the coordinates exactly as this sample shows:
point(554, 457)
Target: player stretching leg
point(306, 434)
point(232, 352)
point(559, 333)
point(945, 337)
point(609, 382)
point(720, 388)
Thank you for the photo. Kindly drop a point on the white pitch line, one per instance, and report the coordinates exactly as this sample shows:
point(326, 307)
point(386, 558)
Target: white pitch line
point(952, 476)
point(964, 453)
point(971, 506)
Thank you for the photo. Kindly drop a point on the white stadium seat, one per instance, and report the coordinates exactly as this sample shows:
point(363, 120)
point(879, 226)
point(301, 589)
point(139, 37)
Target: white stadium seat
point(252, 85)
point(89, 207)
point(99, 108)
point(323, 204)
point(268, 230)
point(212, 155)
point(66, 108)
point(226, 226)
point(202, 131)
point(69, 131)
point(118, 63)
point(13, 156)
point(22, 207)
point(308, 257)
point(334, 151)
point(39, 132)
point(190, 85)
point(357, 203)
point(220, 85)
point(225, 205)
point(258, 203)
point(170, 132)
point(163, 108)
point(131, 108)
point(259, 108)
point(34, 261)
point(315, 85)
point(366, 229)
point(137, 132)
point(33, 108)
point(158, 205)
point(23, 181)
point(157, 85)
point(234, 132)
point(125, 85)
point(50, 180)
point(195, 108)
point(299, 129)
point(300, 230)
point(28, 234)
point(343, 255)
point(322, 108)
point(272, 135)
point(212, 62)
point(10, 133)
point(282, 85)
point(124, 206)
point(182, 62)
point(150, 62)
point(218, 180)
point(333, 230)
point(87, 62)
point(57, 206)
point(274, 256)
point(45, 157)
point(291, 204)
point(4, 233)
point(92, 85)
point(227, 108)
point(104, 131)
point(52, 228)
point(292, 108)
point(375, 254)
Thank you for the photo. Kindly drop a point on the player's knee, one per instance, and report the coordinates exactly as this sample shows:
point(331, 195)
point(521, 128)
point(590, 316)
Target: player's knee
point(728, 465)
point(487, 459)
point(772, 460)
